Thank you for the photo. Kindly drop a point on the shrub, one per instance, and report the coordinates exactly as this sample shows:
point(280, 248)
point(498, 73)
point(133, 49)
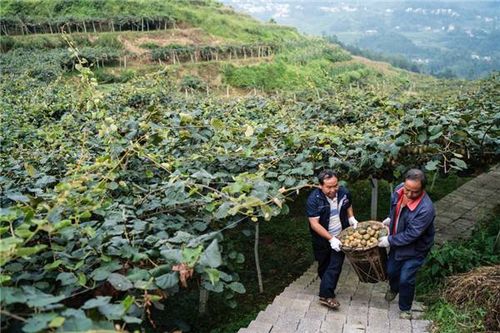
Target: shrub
point(110, 41)
point(6, 43)
point(263, 76)
point(149, 45)
point(106, 76)
point(192, 82)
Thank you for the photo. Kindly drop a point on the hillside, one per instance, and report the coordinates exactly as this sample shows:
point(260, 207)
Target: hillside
point(204, 45)
point(146, 147)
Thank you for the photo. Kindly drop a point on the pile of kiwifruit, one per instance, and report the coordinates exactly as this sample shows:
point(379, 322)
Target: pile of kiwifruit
point(364, 237)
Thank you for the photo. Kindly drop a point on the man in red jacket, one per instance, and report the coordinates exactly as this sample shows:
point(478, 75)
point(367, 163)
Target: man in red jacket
point(411, 236)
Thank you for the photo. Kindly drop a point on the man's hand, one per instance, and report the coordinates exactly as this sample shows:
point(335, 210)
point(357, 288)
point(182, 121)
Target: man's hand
point(387, 221)
point(335, 243)
point(383, 242)
point(353, 222)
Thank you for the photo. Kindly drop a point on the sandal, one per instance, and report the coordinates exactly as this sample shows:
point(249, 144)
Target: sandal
point(332, 303)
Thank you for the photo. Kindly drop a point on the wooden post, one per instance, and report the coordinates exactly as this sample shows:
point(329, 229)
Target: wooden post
point(496, 247)
point(257, 261)
point(374, 185)
point(433, 180)
point(203, 301)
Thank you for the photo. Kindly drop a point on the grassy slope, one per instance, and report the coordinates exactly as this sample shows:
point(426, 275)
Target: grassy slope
point(311, 63)
point(211, 17)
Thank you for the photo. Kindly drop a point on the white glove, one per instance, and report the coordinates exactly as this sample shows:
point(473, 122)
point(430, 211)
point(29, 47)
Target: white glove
point(383, 242)
point(335, 243)
point(387, 221)
point(353, 222)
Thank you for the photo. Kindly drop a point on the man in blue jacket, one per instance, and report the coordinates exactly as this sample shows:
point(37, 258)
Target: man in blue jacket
point(329, 210)
point(411, 236)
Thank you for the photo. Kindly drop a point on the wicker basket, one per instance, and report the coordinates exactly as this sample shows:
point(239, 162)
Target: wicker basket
point(369, 263)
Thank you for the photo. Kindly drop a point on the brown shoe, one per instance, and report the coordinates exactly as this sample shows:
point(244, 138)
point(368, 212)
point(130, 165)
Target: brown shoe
point(330, 302)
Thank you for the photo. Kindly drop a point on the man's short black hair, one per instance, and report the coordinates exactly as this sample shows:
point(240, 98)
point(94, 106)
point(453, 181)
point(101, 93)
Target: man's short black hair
point(326, 174)
point(416, 174)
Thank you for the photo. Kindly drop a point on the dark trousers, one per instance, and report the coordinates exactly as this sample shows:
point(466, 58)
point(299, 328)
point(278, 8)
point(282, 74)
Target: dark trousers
point(402, 277)
point(329, 269)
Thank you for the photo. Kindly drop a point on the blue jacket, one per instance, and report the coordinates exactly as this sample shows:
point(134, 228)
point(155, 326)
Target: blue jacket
point(415, 234)
point(318, 205)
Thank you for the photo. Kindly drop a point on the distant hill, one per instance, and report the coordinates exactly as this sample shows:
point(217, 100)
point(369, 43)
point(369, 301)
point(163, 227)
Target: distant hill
point(447, 38)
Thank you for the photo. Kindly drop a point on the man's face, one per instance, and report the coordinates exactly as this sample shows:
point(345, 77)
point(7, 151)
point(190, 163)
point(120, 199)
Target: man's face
point(412, 189)
point(330, 187)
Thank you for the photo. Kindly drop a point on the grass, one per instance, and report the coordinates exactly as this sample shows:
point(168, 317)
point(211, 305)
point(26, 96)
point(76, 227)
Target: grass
point(451, 319)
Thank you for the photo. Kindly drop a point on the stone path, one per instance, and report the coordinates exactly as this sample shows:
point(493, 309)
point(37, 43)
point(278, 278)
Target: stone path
point(363, 308)
point(458, 212)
